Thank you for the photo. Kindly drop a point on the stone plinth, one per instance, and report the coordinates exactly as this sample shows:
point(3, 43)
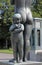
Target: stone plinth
point(36, 55)
point(23, 63)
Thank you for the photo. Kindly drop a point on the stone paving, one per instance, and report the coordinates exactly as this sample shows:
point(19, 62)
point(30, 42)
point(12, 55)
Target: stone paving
point(4, 56)
point(4, 60)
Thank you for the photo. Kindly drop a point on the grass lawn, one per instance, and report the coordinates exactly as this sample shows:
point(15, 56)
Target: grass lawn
point(8, 51)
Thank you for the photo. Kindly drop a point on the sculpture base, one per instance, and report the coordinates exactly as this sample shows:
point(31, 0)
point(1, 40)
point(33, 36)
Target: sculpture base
point(6, 62)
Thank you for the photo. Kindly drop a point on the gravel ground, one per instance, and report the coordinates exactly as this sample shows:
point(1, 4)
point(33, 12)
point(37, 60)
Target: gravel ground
point(4, 56)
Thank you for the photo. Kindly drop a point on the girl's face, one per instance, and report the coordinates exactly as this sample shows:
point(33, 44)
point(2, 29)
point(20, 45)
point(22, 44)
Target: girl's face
point(16, 20)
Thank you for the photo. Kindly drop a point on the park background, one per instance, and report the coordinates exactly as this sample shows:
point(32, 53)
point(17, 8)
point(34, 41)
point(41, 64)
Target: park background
point(6, 14)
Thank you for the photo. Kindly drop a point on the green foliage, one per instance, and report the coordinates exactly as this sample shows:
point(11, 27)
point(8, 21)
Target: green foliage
point(7, 18)
point(37, 9)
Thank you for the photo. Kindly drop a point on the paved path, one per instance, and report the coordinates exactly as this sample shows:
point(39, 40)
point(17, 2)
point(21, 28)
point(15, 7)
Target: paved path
point(4, 56)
